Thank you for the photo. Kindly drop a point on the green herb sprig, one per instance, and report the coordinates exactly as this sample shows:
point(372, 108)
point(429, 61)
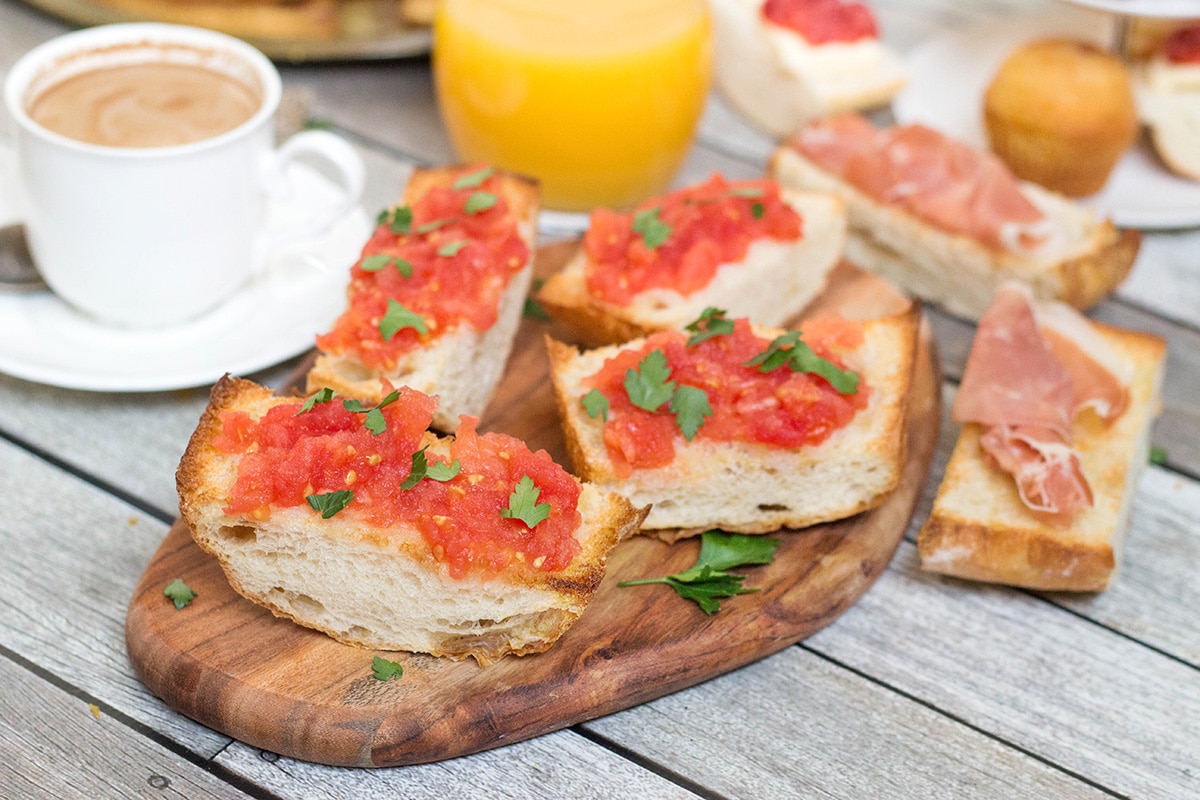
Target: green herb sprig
point(523, 504)
point(791, 351)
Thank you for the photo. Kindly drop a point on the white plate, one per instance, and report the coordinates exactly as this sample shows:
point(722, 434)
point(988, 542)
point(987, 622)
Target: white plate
point(950, 72)
point(273, 318)
point(1178, 9)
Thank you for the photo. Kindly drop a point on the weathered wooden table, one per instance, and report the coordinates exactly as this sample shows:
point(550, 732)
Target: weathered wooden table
point(927, 687)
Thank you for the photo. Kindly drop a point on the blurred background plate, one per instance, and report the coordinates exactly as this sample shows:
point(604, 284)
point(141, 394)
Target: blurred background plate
point(286, 30)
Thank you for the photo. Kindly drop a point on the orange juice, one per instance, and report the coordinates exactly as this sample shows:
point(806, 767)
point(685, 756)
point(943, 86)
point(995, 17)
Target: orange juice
point(598, 99)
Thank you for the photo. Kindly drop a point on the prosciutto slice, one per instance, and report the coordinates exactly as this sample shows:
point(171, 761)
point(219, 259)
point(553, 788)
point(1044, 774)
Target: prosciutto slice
point(1033, 368)
point(948, 184)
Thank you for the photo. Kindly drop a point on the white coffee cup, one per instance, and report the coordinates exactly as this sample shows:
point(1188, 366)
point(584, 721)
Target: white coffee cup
point(153, 236)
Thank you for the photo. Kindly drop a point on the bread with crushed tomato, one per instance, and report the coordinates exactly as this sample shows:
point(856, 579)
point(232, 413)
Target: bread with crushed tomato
point(979, 528)
point(751, 487)
point(463, 365)
point(376, 587)
point(772, 283)
point(1083, 263)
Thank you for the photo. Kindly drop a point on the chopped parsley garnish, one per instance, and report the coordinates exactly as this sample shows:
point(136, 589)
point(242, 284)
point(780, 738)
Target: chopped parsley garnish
point(789, 350)
point(1158, 456)
point(451, 248)
point(710, 323)
point(398, 219)
point(330, 503)
point(648, 388)
point(381, 261)
point(437, 471)
point(179, 593)
point(757, 210)
point(397, 318)
point(471, 180)
point(479, 201)
point(708, 579)
point(375, 421)
point(595, 404)
point(433, 225)
point(384, 670)
point(523, 504)
point(320, 396)
point(649, 225)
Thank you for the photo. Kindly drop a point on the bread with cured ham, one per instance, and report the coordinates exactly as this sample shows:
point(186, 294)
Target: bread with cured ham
point(785, 62)
point(782, 447)
point(435, 300)
point(1056, 412)
point(949, 223)
point(369, 528)
point(742, 245)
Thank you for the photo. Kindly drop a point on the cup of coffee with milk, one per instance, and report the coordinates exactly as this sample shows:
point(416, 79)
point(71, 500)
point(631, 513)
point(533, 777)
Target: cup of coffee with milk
point(146, 158)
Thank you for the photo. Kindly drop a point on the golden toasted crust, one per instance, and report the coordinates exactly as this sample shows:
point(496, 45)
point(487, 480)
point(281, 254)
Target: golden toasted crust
point(463, 365)
point(750, 487)
point(381, 587)
point(592, 322)
point(979, 529)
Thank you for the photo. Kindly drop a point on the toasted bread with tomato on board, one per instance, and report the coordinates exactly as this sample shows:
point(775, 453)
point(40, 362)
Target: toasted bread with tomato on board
point(1056, 412)
point(436, 298)
point(741, 245)
point(949, 223)
point(800, 443)
point(362, 524)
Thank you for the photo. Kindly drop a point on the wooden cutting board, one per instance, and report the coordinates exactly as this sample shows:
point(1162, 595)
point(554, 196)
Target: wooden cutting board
point(234, 667)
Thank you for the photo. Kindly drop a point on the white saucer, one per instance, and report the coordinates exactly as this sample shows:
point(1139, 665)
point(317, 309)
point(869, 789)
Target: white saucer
point(274, 317)
point(950, 71)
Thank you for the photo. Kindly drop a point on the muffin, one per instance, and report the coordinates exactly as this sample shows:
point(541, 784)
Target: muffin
point(1060, 113)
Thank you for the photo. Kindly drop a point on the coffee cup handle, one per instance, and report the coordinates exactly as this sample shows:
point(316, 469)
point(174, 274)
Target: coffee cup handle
point(348, 166)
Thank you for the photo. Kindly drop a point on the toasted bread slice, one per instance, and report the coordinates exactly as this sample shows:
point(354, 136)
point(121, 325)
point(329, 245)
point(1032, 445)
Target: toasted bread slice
point(1082, 262)
point(979, 529)
point(773, 283)
point(750, 487)
point(382, 587)
point(780, 81)
point(462, 365)
point(1168, 98)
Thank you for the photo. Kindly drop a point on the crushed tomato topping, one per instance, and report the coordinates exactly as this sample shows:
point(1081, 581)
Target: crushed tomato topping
point(823, 21)
point(286, 457)
point(780, 408)
point(461, 263)
point(709, 224)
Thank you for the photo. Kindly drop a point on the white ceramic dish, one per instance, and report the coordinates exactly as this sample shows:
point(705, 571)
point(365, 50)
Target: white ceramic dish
point(1179, 9)
point(273, 318)
point(950, 71)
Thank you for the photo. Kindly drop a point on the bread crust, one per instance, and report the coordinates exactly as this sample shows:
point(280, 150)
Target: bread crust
point(752, 487)
point(463, 365)
point(961, 274)
point(795, 272)
point(980, 530)
point(387, 591)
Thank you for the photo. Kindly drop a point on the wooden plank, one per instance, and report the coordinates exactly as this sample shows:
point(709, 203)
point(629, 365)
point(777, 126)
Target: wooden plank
point(558, 765)
point(72, 556)
point(52, 745)
point(796, 725)
point(1088, 699)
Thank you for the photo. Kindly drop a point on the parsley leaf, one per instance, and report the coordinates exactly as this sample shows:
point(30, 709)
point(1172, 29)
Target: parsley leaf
point(647, 386)
point(375, 421)
point(397, 318)
point(690, 406)
point(595, 404)
point(433, 225)
point(437, 471)
point(320, 396)
point(653, 230)
point(710, 323)
point(471, 180)
point(398, 219)
point(179, 593)
point(479, 201)
point(1158, 456)
point(757, 210)
point(384, 670)
point(523, 504)
point(330, 503)
point(375, 263)
point(790, 350)
point(533, 309)
point(451, 248)
point(708, 579)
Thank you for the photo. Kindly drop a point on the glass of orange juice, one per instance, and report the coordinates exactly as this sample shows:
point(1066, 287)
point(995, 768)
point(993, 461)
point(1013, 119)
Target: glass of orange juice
point(598, 99)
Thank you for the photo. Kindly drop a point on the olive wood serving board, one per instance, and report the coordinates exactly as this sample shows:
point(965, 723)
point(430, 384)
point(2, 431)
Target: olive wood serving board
point(270, 683)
